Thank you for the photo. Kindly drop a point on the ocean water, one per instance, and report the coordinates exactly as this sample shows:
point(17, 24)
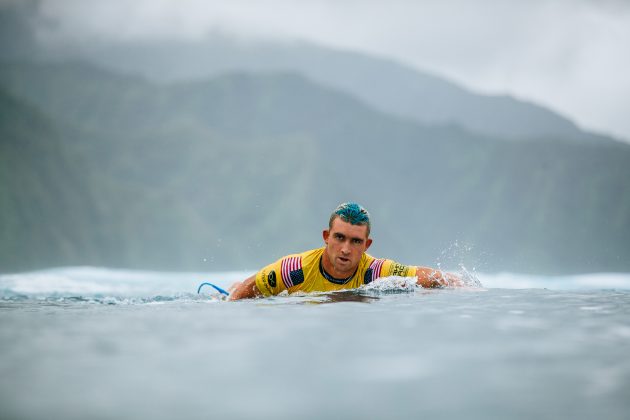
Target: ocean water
point(96, 343)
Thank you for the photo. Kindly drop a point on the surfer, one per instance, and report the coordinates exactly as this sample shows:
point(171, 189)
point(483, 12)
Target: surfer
point(341, 264)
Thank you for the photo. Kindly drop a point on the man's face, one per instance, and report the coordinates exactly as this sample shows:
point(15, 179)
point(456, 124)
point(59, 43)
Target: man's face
point(345, 244)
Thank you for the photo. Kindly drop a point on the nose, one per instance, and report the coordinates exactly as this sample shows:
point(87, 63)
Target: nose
point(345, 249)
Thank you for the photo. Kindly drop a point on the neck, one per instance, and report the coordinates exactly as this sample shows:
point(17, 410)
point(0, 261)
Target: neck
point(330, 277)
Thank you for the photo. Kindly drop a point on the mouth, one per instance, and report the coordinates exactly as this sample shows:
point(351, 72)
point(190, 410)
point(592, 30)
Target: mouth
point(344, 259)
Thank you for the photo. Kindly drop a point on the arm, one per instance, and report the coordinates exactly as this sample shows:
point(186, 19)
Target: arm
point(431, 278)
point(246, 289)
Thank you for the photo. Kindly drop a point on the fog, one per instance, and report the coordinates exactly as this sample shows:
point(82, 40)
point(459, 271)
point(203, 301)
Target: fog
point(568, 55)
point(190, 136)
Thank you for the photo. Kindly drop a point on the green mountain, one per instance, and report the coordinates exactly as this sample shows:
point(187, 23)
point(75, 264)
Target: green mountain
point(42, 176)
point(385, 85)
point(234, 171)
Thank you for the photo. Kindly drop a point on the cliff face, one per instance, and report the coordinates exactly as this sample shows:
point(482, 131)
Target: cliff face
point(233, 171)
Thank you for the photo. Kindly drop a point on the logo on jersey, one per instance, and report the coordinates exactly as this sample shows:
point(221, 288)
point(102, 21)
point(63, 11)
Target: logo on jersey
point(399, 270)
point(374, 271)
point(271, 279)
point(292, 273)
point(262, 280)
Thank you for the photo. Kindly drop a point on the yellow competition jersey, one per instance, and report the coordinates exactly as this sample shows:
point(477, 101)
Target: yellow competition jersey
point(303, 272)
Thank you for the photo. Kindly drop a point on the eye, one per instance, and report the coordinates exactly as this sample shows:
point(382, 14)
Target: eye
point(339, 236)
point(357, 241)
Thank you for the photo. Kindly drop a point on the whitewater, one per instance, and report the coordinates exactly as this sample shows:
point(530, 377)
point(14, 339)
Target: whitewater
point(89, 342)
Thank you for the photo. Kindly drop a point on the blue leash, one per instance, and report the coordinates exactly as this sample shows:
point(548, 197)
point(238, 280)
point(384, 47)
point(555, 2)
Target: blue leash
point(217, 288)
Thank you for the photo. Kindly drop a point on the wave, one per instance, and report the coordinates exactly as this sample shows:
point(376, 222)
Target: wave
point(116, 286)
point(101, 284)
point(591, 281)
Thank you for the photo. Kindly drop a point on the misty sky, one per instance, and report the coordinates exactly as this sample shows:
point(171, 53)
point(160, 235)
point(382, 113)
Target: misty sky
point(572, 56)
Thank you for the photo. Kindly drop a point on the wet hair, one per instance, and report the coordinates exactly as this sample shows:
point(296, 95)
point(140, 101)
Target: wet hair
point(352, 213)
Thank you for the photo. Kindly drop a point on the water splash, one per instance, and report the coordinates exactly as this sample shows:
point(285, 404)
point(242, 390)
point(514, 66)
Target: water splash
point(454, 258)
point(60, 300)
point(469, 278)
point(392, 284)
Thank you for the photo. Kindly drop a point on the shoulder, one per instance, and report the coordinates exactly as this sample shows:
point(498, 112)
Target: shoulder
point(311, 256)
point(292, 266)
point(301, 259)
point(373, 268)
point(282, 274)
point(383, 267)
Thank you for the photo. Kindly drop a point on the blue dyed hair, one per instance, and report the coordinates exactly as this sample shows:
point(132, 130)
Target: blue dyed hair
point(352, 213)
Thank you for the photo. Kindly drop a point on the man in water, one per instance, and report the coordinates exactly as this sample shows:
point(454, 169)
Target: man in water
point(341, 264)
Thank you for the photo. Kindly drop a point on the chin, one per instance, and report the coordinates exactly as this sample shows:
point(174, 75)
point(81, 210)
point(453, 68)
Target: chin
point(345, 266)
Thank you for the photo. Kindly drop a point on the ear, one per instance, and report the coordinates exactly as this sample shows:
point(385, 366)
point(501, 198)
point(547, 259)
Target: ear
point(326, 235)
point(368, 243)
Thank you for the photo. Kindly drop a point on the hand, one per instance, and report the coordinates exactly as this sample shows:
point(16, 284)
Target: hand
point(431, 278)
point(234, 286)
